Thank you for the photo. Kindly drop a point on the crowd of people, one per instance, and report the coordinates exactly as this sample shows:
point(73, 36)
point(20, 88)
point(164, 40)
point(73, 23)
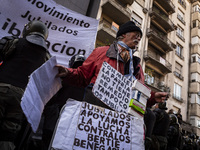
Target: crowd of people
point(164, 131)
point(19, 57)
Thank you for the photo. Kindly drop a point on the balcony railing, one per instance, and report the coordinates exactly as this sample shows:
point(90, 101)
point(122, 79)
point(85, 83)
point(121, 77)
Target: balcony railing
point(156, 83)
point(178, 75)
point(162, 19)
point(167, 5)
point(180, 36)
point(179, 55)
point(105, 32)
point(160, 39)
point(159, 61)
point(113, 9)
point(180, 18)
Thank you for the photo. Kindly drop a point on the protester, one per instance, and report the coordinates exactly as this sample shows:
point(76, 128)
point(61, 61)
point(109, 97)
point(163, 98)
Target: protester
point(20, 57)
point(118, 56)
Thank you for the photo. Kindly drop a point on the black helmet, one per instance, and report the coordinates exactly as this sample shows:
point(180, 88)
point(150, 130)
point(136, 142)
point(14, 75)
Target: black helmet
point(35, 27)
point(173, 119)
point(76, 61)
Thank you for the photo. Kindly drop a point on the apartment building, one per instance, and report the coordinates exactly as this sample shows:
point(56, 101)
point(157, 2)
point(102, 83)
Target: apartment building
point(194, 88)
point(169, 48)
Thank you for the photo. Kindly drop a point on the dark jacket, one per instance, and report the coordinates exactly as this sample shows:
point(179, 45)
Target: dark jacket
point(25, 58)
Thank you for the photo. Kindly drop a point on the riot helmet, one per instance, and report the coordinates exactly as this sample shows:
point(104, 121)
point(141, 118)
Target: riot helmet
point(76, 61)
point(35, 27)
point(173, 119)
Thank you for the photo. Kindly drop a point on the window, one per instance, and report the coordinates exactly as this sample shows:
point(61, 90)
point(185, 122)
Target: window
point(194, 24)
point(179, 50)
point(178, 71)
point(196, 8)
point(195, 77)
point(195, 58)
point(198, 99)
point(149, 79)
point(178, 68)
point(136, 19)
point(198, 123)
point(180, 33)
point(181, 13)
point(177, 91)
point(182, 2)
point(181, 16)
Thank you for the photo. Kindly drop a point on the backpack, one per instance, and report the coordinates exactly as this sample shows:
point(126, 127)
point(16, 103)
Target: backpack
point(7, 47)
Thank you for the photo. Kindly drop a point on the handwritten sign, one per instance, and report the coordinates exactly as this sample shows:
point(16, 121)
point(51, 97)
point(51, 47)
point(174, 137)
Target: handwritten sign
point(113, 88)
point(85, 126)
point(102, 129)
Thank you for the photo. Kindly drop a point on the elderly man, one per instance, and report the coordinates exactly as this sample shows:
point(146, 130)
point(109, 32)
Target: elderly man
point(119, 55)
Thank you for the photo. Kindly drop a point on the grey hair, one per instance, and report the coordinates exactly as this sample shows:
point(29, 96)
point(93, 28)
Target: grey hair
point(119, 38)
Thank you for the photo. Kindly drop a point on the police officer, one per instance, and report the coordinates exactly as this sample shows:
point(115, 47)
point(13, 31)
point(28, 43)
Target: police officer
point(20, 57)
point(161, 125)
point(173, 135)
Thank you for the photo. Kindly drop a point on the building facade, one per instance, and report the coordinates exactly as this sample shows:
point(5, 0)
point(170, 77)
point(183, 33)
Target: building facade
point(169, 48)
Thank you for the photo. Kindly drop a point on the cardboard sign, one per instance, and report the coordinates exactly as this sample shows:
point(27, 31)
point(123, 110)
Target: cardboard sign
point(84, 126)
point(102, 129)
point(113, 88)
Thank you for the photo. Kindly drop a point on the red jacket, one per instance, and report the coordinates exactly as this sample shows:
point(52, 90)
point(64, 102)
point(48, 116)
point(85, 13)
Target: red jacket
point(88, 72)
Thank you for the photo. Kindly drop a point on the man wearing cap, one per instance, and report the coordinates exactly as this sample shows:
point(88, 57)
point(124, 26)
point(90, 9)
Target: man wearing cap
point(119, 55)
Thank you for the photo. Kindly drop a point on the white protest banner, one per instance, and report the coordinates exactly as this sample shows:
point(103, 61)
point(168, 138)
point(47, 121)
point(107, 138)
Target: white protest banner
point(113, 88)
point(40, 89)
point(69, 32)
point(93, 127)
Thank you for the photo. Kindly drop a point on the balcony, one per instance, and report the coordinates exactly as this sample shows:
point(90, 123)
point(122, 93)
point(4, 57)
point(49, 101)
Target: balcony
point(160, 18)
point(195, 31)
point(194, 87)
point(196, 15)
point(157, 62)
point(195, 49)
point(160, 41)
point(105, 32)
point(195, 67)
point(156, 84)
point(167, 5)
point(195, 109)
point(116, 11)
point(130, 2)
